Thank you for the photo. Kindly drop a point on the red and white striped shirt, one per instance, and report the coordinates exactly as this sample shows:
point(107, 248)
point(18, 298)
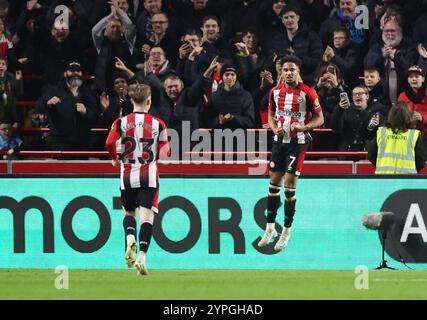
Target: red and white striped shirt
point(293, 105)
point(140, 136)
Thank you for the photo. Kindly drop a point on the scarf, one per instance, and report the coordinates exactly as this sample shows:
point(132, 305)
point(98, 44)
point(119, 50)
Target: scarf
point(416, 97)
point(216, 82)
point(5, 45)
point(356, 35)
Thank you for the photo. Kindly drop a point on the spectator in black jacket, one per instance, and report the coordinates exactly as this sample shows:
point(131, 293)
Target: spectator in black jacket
point(113, 106)
point(11, 87)
point(249, 58)
point(163, 37)
point(78, 19)
point(238, 15)
point(190, 40)
point(191, 13)
point(175, 104)
point(212, 42)
point(345, 17)
point(8, 21)
point(230, 106)
point(393, 56)
point(358, 121)
point(144, 25)
point(372, 81)
point(72, 109)
point(95, 10)
point(330, 87)
point(298, 41)
point(420, 35)
point(344, 56)
point(116, 105)
point(55, 47)
point(156, 63)
point(270, 20)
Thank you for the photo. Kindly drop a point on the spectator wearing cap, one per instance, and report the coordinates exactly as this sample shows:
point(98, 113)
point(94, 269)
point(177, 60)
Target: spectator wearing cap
point(298, 40)
point(393, 56)
point(114, 37)
point(230, 106)
point(415, 95)
point(72, 108)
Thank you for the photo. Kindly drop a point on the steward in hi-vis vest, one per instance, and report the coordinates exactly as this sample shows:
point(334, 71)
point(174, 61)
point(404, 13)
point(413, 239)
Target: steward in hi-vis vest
point(396, 151)
point(398, 147)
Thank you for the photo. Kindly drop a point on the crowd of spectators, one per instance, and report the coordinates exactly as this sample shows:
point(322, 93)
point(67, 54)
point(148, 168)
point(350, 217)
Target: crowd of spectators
point(209, 62)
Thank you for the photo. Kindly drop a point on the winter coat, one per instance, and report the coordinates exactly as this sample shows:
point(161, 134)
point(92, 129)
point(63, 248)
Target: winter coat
point(238, 102)
point(66, 124)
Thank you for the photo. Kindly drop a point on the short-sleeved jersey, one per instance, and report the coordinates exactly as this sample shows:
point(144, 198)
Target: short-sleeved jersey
point(140, 136)
point(293, 105)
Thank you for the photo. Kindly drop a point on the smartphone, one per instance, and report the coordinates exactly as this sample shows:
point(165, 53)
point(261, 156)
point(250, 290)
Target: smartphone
point(344, 96)
point(331, 69)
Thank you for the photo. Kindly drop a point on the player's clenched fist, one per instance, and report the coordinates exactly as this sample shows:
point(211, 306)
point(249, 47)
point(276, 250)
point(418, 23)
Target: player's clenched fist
point(279, 132)
point(53, 101)
point(297, 127)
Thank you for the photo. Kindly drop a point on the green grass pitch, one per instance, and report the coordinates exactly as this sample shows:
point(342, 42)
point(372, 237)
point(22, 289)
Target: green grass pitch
point(212, 284)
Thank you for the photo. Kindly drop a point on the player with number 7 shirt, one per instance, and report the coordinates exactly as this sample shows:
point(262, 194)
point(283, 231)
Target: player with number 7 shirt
point(142, 139)
point(293, 111)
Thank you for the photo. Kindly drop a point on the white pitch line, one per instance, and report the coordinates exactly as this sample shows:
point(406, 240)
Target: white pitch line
point(399, 280)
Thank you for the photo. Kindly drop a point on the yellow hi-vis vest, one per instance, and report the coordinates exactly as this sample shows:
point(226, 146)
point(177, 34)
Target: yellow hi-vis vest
point(396, 151)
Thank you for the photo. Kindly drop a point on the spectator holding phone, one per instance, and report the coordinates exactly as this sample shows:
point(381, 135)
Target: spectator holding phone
point(331, 89)
point(357, 121)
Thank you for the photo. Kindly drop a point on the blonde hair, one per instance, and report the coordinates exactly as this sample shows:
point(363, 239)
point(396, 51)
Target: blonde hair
point(139, 92)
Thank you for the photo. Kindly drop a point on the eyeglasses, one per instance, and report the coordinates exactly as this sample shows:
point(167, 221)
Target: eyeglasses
point(5, 129)
point(389, 30)
point(159, 22)
point(358, 94)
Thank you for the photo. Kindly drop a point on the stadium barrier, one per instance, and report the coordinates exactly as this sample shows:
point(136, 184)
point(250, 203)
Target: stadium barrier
point(208, 222)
